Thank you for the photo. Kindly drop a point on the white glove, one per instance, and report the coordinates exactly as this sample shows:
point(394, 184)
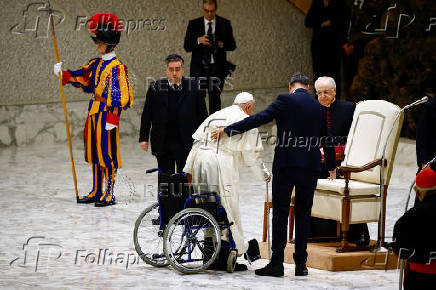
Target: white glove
point(110, 126)
point(57, 68)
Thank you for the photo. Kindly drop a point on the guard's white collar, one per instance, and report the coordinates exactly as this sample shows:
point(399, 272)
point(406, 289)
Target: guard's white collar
point(108, 56)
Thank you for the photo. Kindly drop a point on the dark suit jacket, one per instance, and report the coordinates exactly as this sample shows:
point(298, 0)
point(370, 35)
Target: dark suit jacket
point(426, 133)
point(300, 119)
point(192, 112)
point(341, 118)
point(223, 32)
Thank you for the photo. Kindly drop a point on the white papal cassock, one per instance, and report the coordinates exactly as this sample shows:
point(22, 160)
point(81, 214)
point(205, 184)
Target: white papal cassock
point(217, 164)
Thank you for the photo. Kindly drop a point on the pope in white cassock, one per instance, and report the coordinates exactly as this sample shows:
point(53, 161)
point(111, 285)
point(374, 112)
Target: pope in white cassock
point(217, 164)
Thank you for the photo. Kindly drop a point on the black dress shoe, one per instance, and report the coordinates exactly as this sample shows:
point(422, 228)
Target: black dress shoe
point(104, 203)
point(87, 199)
point(363, 240)
point(274, 270)
point(301, 270)
point(253, 251)
point(240, 267)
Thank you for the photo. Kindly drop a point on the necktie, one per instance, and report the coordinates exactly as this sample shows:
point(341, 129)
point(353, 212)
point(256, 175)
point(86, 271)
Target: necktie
point(177, 87)
point(209, 34)
point(209, 29)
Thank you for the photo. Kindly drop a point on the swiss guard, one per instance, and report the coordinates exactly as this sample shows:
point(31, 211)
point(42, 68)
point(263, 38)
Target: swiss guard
point(107, 78)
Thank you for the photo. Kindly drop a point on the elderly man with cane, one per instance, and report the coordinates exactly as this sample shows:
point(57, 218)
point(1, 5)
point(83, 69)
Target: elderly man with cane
point(214, 167)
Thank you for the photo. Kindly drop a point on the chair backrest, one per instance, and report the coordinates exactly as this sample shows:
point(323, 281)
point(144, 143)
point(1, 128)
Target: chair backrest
point(372, 122)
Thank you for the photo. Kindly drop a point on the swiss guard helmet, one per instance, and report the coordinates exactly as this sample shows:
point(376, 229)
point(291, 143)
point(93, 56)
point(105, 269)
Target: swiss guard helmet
point(106, 28)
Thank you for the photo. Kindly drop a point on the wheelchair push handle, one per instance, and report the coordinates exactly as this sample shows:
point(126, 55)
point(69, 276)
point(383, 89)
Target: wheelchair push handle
point(148, 171)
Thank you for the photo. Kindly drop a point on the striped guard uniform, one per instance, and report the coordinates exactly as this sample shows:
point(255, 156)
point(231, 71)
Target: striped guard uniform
point(108, 80)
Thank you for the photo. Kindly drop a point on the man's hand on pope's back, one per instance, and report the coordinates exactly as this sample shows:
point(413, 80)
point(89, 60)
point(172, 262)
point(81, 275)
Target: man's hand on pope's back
point(144, 146)
point(218, 133)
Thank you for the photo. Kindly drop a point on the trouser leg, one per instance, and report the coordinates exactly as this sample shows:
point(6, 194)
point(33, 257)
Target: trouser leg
point(97, 180)
point(215, 87)
point(181, 160)
point(356, 231)
point(174, 157)
point(281, 197)
point(110, 182)
point(303, 206)
point(166, 163)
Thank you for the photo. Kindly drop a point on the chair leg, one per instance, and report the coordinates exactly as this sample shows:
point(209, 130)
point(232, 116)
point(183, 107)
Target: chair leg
point(265, 222)
point(291, 219)
point(383, 218)
point(345, 224)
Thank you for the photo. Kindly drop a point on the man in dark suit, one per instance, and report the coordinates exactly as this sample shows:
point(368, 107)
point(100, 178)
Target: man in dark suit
point(209, 38)
point(329, 21)
point(301, 127)
point(339, 116)
point(426, 134)
point(173, 110)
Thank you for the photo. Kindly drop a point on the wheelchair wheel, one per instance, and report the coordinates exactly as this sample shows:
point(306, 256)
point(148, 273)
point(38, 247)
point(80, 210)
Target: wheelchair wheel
point(231, 261)
point(192, 240)
point(147, 237)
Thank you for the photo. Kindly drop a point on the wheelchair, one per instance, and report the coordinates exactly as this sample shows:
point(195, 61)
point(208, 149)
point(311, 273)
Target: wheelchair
point(183, 229)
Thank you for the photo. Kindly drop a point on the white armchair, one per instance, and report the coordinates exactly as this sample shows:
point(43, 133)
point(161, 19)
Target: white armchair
point(357, 197)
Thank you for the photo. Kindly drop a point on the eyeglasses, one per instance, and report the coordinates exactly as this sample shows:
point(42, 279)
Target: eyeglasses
point(326, 92)
point(174, 69)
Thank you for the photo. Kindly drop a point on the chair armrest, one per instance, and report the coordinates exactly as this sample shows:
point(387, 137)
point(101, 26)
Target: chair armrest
point(353, 169)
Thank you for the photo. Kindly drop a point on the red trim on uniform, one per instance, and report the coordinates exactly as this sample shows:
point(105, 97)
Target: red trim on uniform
point(85, 131)
point(340, 149)
point(423, 268)
point(112, 119)
point(65, 77)
point(329, 118)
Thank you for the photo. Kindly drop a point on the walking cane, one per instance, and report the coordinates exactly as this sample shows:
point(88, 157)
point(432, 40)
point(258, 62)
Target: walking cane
point(401, 279)
point(64, 105)
point(267, 223)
